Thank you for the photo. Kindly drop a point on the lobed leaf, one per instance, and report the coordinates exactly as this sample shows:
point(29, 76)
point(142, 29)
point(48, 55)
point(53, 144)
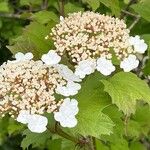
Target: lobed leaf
point(125, 89)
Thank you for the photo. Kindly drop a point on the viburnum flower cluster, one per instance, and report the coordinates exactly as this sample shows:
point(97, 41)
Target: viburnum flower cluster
point(28, 89)
point(91, 40)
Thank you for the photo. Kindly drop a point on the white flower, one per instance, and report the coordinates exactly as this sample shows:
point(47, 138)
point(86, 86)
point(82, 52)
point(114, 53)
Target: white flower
point(67, 73)
point(139, 45)
point(23, 116)
point(129, 63)
point(67, 112)
point(22, 57)
point(105, 66)
point(51, 58)
point(85, 67)
point(61, 18)
point(69, 90)
point(37, 123)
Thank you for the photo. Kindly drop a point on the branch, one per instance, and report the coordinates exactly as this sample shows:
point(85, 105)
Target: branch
point(126, 124)
point(127, 7)
point(44, 5)
point(63, 134)
point(61, 4)
point(136, 20)
point(15, 16)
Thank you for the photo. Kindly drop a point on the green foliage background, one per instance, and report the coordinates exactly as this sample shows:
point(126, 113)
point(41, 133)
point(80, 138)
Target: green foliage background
point(102, 101)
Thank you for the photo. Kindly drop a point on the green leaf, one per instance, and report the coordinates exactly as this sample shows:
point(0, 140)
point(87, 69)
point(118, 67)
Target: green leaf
point(94, 4)
point(115, 8)
point(100, 145)
point(72, 7)
point(36, 139)
point(133, 129)
point(30, 2)
point(54, 144)
point(146, 69)
point(33, 40)
point(125, 89)
point(121, 144)
point(146, 37)
point(143, 8)
point(137, 146)
point(142, 119)
point(4, 7)
point(113, 5)
point(92, 99)
point(44, 16)
point(14, 126)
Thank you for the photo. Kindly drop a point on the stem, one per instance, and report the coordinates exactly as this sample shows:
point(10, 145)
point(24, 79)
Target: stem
point(135, 22)
point(126, 125)
point(127, 7)
point(137, 18)
point(94, 143)
point(16, 16)
point(44, 5)
point(61, 8)
point(63, 134)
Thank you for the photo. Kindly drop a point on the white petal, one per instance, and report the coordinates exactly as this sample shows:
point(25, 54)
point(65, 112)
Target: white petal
point(36, 129)
point(23, 116)
point(28, 56)
point(129, 63)
point(105, 66)
point(19, 56)
point(37, 123)
point(61, 18)
point(67, 112)
point(139, 45)
point(51, 58)
point(85, 67)
point(69, 90)
point(69, 122)
point(67, 73)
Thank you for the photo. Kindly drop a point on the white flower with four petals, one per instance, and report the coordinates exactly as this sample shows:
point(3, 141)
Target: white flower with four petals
point(67, 112)
point(51, 58)
point(105, 66)
point(129, 63)
point(22, 57)
point(85, 67)
point(139, 45)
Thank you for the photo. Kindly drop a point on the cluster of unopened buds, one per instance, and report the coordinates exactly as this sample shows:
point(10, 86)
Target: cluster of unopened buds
point(92, 41)
point(28, 88)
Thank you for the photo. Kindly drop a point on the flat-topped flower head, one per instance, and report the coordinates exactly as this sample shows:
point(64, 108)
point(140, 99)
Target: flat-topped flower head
point(67, 112)
point(29, 85)
point(88, 37)
point(28, 89)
